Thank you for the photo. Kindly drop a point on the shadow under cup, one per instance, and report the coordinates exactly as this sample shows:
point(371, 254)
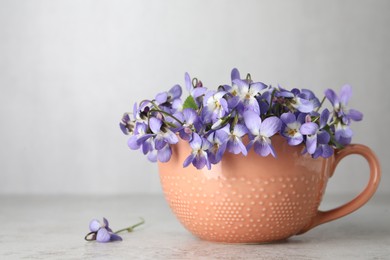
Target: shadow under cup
point(254, 199)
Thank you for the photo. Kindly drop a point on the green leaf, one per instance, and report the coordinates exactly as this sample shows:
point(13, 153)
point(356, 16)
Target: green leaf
point(190, 103)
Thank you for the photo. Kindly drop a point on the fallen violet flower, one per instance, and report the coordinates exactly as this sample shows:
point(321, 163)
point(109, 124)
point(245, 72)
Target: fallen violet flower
point(101, 232)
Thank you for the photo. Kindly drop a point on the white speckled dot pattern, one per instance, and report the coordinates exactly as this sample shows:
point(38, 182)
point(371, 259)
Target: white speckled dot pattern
point(246, 199)
point(259, 210)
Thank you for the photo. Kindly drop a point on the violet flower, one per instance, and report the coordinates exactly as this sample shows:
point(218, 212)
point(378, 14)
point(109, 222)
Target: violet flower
point(198, 156)
point(310, 129)
point(323, 137)
point(215, 105)
point(261, 131)
point(196, 91)
point(291, 126)
point(126, 124)
point(342, 115)
point(218, 140)
point(162, 134)
point(247, 92)
point(303, 102)
point(101, 232)
point(234, 143)
point(340, 105)
point(169, 96)
point(190, 123)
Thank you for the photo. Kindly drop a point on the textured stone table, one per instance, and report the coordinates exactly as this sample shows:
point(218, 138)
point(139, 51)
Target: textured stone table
point(53, 227)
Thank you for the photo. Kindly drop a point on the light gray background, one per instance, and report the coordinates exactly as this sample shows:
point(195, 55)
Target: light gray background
point(69, 69)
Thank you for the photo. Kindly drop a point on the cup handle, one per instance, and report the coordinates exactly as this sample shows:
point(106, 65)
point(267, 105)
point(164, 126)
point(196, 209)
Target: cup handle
point(375, 175)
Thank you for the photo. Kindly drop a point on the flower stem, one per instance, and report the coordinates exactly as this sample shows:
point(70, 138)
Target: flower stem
point(131, 228)
point(322, 102)
point(270, 103)
point(167, 114)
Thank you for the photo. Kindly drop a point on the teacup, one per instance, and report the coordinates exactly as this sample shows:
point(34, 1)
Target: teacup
point(254, 199)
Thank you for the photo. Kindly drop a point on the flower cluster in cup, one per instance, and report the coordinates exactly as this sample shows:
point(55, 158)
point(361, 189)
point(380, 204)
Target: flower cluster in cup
point(215, 121)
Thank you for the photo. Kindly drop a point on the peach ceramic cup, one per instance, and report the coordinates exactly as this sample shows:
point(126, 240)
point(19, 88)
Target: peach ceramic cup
point(256, 199)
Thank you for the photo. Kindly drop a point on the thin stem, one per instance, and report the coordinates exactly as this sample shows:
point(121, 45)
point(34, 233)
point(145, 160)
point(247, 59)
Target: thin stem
point(248, 78)
point(194, 82)
point(270, 102)
point(167, 114)
point(131, 228)
point(322, 102)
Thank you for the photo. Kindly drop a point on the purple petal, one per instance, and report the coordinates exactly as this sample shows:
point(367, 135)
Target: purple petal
point(256, 87)
point(185, 134)
point(318, 152)
point(288, 118)
point(345, 94)
point(159, 143)
point(132, 142)
point(196, 142)
point(235, 74)
point(140, 128)
point(143, 138)
point(324, 118)
point(327, 151)
point(162, 97)
point(164, 154)
point(199, 161)
point(189, 115)
point(205, 144)
point(283, 93)
point(301, 118)
point(94, 225)
point(295, 140)
point(262, 148)
point(331, 96)
point(270, 126)
point(309, 128)
point(323, 137)
point(224, 105)
point(219, 95)
point(115, 237)
point(135, 110)
point(236, 146)
point(105, 221)
point(103, 236)
point(197, 92)
point(355, 115)
point(233, 101)
point(240, 130)
point(252, 104)
point(303, 105)
point(155, 125)
point(152, 156)
point(147, 146)
point(311, 143)
point(221, 136)
point(188, 82)
point(175, 91)
point(342, 131)
point(124, 128)
point(188, 160)
point(344, 140)
point(177, 104)
point(241, 84)
point(170, 137)
point(252, 122)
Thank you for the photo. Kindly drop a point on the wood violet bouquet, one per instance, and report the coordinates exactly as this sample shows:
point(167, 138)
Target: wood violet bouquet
point(215, 121)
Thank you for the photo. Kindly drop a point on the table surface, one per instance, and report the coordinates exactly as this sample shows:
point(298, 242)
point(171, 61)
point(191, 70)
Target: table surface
point(53, 227)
